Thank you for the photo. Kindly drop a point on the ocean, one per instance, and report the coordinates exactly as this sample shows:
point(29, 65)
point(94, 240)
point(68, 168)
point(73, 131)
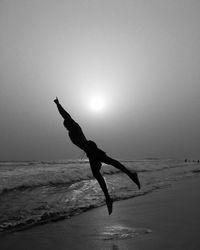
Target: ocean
point(38, 192)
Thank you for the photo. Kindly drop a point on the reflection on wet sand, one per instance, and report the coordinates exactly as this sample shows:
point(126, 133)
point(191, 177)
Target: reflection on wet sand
point(118, 232)
point(115, 247)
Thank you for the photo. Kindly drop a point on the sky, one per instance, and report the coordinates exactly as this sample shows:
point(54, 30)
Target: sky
point(139, 59)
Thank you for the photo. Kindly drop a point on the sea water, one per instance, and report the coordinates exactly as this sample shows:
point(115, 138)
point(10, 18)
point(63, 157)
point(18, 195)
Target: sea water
point(37, 192)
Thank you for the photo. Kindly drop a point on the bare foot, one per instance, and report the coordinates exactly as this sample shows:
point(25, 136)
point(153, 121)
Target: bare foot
point(136, 179)
point(109, 204)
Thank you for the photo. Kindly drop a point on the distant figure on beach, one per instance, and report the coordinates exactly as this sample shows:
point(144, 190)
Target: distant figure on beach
point(96, 156)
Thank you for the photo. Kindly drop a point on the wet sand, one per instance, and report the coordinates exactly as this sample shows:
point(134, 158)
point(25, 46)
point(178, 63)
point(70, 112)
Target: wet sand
point(165, 219)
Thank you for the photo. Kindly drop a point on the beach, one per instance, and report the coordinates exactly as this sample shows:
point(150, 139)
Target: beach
point(167, 218)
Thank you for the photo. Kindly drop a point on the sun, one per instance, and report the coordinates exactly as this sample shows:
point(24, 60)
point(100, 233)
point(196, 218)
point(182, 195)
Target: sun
point(97, 103)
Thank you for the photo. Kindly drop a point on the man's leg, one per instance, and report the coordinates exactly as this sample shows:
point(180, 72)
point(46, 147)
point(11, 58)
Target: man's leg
point(95, 166)
point(117, 164)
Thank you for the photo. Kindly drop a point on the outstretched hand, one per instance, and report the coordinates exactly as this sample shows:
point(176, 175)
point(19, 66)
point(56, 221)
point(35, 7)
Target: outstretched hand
point(56, 100)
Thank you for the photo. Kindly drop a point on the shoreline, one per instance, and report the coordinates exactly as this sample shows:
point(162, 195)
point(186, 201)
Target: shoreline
point(171, 215)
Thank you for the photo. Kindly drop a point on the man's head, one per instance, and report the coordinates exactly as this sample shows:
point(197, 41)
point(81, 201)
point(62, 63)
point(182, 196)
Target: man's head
point(68, 124)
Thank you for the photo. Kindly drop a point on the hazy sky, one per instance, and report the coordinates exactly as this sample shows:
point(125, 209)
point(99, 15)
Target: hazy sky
point(142, 57)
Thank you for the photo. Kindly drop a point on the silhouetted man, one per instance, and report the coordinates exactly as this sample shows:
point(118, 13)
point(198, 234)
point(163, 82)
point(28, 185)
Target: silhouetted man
point(96, 156)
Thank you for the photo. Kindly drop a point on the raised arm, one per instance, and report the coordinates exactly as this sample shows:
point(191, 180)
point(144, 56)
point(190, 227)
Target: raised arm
point(62, 111)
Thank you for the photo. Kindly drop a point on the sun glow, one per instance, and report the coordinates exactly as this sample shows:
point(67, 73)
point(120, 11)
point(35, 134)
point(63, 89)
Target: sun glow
point(97, 103)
